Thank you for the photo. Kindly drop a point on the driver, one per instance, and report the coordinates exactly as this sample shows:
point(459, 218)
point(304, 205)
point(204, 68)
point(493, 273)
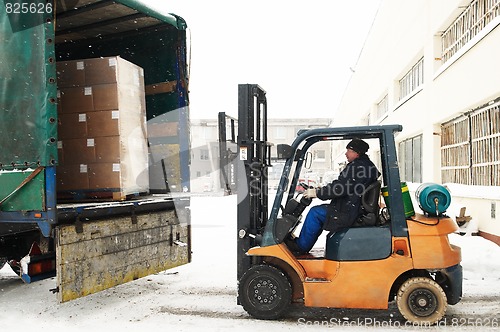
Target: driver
point(345, 194)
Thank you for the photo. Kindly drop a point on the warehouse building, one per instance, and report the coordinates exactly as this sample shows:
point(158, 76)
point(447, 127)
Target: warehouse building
point(432, 66)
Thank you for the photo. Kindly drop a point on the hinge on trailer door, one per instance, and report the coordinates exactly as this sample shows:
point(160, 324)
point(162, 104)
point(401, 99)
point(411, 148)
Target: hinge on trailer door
point(78, 224)
point(133, 216)
point(178, 240)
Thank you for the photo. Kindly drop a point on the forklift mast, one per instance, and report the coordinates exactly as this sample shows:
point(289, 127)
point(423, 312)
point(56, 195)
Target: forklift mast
point(255, 155)
point(227, 152)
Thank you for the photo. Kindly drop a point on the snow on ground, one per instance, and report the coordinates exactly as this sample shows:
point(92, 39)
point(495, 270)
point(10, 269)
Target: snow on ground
point(202, 294)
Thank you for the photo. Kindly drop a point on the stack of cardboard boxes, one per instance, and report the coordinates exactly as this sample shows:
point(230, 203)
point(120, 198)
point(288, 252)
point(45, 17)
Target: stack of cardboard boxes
point(102, 128)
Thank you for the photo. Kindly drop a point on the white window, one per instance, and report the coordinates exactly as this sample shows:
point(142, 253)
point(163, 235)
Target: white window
point(206, 132)
point(410, 159)
point(204, 154)
point(319, 155)
point(280, 133)
point(412, 79)
point(382, 108)
point(364, 121)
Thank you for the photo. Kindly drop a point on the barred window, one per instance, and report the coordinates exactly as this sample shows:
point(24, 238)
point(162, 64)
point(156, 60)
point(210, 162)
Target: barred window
point(472, 20)
point(470, 148)
point(410, 159)
point(412, 79)
point(455, 151)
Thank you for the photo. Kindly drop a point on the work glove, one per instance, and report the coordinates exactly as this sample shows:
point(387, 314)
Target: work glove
point(310, 193)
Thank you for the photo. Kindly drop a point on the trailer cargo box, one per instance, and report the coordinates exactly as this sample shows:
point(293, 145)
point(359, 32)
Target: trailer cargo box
point(62, 89)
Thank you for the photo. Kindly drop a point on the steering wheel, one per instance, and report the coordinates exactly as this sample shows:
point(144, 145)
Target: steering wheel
point(303, 185)
point(300, 188)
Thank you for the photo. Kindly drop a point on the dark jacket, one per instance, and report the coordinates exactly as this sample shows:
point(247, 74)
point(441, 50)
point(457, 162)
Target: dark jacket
point(345, 193)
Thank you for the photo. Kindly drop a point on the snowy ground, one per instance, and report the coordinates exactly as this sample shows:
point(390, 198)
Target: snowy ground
point(202, 295)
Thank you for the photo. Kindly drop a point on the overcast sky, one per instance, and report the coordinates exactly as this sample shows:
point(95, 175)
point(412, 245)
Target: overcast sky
point(300, 52)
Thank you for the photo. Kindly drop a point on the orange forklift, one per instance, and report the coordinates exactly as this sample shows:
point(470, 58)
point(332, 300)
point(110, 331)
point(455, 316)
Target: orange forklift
point(387, 256)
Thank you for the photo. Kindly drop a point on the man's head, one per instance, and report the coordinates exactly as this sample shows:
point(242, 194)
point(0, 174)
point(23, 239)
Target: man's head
point(355, 148)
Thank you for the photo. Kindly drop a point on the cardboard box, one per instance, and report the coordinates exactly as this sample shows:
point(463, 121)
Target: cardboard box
point(105, 176)
point(98, 98)
point(76, 100)
point(108, 149)
point(72, 125)
point(98, 124)
point(70, 73)
point(103, 123)
point(60, 155)
point(72, 177)
point(105, 70)
point(101, 84)
point(113, 70)
point(117, 177)
point(105, 97)
point(76, 151)
point(102, 70)
point(123, 154)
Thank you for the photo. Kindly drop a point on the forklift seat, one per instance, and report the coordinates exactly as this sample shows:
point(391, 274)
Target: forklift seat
point(362, 241)
point(370, 208)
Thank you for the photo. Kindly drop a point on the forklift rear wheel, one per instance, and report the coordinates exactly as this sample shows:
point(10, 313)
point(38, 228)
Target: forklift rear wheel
point(265, 292)
point(421, 301)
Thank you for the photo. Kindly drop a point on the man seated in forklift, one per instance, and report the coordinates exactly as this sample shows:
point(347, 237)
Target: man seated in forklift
point(345, 195)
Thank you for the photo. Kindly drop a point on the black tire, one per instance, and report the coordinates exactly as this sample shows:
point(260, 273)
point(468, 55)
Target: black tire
point(421, 301)
point(265, 292)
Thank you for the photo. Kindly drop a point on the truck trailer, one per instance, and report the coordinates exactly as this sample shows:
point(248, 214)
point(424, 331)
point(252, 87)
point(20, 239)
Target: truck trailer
point(93, 223)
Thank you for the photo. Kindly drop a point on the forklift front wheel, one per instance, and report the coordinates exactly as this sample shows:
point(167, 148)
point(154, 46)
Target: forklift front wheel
point(265, 292)
point(421, 301)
